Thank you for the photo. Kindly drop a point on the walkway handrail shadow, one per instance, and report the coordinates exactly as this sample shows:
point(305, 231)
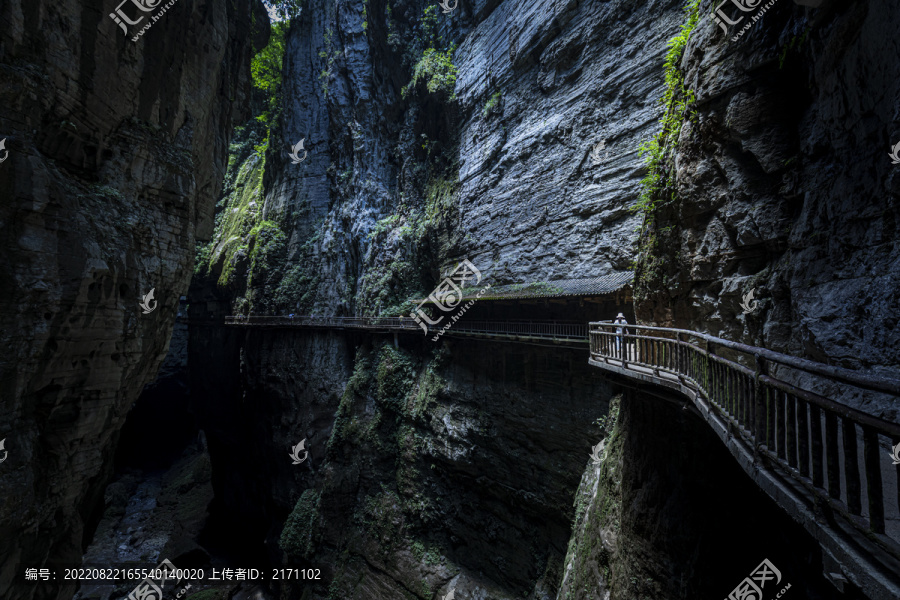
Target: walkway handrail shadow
point(787, 422)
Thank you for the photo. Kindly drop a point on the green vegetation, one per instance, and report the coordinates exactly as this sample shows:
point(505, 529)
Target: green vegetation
point(265, 71)
point(433, 59)
point(249, 256)
point(297, 290)
point(676, 101)
point(345, 426)
point(492, 105)
point(393, 279)
point(430, 384)
point(437, 70)
point(797, 41)
point(382, 519)
point(394, 378)
point(658, 187)
point(329, 55)
point(299, 537)
point(267, 250)
point(597, 505)
point(237, 214)
point(608, 421)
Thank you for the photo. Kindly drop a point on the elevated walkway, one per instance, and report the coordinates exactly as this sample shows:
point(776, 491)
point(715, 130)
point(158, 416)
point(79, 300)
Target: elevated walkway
point(554, 332)
point(827, 464)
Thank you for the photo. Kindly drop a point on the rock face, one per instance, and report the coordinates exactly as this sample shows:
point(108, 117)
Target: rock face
point(784, 187)
point(667, 514)
point(116, 154)
point(420, 155)
point(427, 470)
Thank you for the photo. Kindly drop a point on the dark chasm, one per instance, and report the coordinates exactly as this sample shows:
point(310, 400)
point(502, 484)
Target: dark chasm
point(449, 300)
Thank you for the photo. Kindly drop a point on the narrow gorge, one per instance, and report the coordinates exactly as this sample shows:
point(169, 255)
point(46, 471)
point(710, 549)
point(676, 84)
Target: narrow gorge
point(449, 300)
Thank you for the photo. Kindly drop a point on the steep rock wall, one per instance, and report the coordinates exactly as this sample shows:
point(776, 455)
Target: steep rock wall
point(427, 471)
point(784, 187)
point(487, 158)
point(116, 154)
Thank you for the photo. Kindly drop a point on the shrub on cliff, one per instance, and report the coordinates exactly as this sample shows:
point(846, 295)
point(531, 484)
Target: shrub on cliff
point(437, 71)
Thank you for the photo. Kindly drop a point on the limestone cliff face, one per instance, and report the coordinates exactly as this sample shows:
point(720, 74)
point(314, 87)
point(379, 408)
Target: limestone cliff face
point(783, 186)
point(116, 154)
point(432, 138)
point(428, 469)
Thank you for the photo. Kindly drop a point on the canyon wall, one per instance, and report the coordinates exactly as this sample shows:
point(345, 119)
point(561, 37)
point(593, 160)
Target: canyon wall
point(432, 138)
point(116, 152)
point(784, 187)
point(429, 469)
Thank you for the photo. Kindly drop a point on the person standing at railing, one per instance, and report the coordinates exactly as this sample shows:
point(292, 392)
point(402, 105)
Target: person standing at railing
point(620, 332)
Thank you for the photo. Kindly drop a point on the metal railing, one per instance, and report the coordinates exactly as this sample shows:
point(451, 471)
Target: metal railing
point(325, 322)
point(776, 403)
point(543, 330)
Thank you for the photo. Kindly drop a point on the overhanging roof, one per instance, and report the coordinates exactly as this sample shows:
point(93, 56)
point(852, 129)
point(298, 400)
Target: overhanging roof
point(560, 288)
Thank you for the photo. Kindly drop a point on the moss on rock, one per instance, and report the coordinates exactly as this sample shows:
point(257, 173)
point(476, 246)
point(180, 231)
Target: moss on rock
point(299, 536)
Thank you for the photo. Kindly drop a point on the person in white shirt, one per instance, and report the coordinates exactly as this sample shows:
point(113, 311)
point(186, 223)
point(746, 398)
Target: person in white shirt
point(620, 331)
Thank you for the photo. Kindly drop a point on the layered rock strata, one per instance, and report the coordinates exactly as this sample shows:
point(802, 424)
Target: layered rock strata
point(784, 188)
point(116, 155)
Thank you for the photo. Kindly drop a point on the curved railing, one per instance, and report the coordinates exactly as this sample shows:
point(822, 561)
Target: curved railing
point(526, 330)
point(811, 453)
point(782, 407)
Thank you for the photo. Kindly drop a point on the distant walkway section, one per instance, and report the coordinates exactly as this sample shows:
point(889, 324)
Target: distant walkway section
point(518, 331)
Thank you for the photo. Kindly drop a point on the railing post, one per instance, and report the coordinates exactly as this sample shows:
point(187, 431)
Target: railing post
point(759, 402)
point(851, 466)
point(874, 486)
point(832, 468)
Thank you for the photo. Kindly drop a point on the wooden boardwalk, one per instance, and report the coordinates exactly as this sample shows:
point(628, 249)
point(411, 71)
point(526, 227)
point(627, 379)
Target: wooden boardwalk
point(784, 419)
point(827, 464)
